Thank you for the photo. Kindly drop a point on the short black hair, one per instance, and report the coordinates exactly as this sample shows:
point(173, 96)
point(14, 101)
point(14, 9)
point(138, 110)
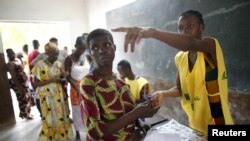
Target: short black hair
point(99, 32)
point(35, 44)
point(195, 13)
point(53, 40)
point(25, 48)
point(125, 64)
point(9, 50)
point(79, 41)
point(85, 35)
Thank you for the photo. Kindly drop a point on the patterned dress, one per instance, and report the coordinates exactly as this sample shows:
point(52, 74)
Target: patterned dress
point(24, 98)
point(56, 125)
point(104, 101)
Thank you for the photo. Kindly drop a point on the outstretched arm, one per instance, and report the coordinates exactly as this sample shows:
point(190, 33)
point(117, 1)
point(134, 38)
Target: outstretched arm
point(178, 41)
point(159, 96)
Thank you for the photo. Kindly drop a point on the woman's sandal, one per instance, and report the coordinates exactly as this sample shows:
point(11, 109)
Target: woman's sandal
point(29, 117)
point(25, 116)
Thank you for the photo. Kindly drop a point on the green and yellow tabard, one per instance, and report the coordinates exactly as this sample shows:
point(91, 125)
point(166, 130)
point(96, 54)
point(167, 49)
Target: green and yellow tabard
point(194, 93)
point(136, 86)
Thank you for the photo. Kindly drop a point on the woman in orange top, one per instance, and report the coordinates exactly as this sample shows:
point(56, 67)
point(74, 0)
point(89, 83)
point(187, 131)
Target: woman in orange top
point(76, 69)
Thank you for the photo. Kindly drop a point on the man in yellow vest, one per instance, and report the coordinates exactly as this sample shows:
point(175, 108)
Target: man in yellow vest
point(139, 86)
point(201, 78)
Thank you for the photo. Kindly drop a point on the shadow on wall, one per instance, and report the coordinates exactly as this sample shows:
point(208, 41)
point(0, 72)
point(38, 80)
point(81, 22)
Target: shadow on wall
point(171, 108)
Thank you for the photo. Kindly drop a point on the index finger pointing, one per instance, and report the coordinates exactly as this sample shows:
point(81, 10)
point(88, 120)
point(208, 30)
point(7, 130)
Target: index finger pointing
point(120, 29)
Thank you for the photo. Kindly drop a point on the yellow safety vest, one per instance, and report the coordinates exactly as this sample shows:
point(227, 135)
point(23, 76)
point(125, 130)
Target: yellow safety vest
point(194, 93)
point(136, 86)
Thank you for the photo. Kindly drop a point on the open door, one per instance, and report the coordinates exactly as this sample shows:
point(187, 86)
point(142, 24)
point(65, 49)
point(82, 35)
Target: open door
point(7, 115)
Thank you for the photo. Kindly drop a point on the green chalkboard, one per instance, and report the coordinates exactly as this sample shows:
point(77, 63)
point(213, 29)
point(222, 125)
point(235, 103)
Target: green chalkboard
point(226, 20)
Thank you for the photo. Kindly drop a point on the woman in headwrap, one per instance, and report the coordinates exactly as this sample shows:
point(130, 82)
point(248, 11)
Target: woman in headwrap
point(18, 83)
point(48, 74)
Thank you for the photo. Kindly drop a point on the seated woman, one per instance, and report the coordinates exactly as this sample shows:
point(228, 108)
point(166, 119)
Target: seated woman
point(18, 83)
point(48, 74)
point(109, 111)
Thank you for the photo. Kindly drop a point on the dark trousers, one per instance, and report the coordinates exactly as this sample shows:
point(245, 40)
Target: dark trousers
point(38, 106)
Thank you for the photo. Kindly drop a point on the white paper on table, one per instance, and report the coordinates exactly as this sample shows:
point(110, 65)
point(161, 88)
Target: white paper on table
point(162, 136)
point(174, 131)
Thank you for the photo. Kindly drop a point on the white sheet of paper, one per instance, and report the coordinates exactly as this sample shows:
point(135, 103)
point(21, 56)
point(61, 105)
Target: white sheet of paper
point(174, 131)
point(161, 136)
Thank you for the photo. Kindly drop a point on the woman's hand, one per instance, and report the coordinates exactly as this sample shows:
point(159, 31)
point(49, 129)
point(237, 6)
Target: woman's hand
point(134, 35)
point(64, 74)
point(137, 135)
point(55, 80)
point(157, 98)
point(147, 109)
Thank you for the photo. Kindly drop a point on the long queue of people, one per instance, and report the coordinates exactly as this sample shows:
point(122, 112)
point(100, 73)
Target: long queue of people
point(109, 107)
point(41, 79)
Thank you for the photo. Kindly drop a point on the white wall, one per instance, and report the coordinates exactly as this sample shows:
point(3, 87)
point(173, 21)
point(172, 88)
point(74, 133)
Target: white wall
point(82, 15)
point(96, 10)
point(1, 44)
point(71, 11)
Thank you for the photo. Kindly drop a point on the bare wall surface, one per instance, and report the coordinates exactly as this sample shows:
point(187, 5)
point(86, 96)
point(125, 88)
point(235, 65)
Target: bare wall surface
point(96, 10)
point(72, 11)
point(227, 20)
